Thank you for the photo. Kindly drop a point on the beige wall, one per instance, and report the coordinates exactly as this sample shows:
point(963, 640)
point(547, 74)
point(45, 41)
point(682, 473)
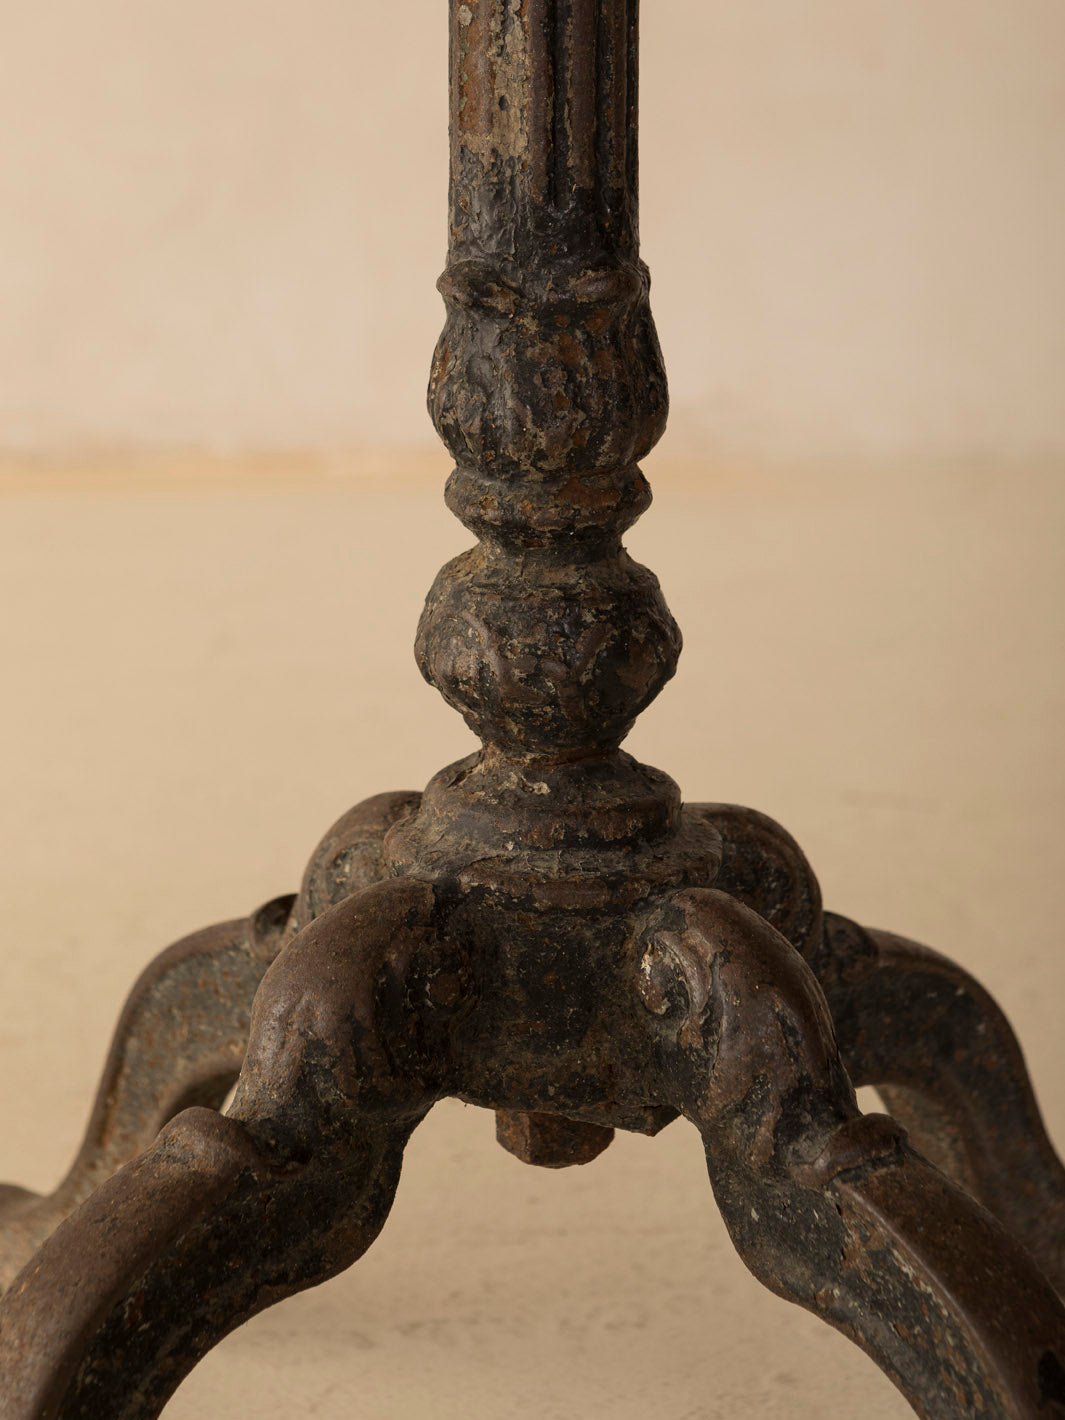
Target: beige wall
point(222, 220)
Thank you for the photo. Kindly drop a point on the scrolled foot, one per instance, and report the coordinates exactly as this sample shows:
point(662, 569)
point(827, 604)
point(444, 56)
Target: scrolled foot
point(181, 1037)
point(181, 1246)
point(946, 1063)
point(830, 1208)
point(224, 1216)
point(179, 1042)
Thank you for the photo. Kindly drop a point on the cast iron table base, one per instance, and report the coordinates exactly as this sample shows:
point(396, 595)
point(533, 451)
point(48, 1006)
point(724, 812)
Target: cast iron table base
point(547, 931)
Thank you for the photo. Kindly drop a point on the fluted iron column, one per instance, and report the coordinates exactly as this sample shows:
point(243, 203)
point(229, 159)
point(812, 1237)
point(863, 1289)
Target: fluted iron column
point(547, 387)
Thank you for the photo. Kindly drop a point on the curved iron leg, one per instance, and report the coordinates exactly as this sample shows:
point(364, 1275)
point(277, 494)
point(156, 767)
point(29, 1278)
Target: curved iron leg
point(181, 1037)
point(828, 1207)
point(224, 1216)
point(944, 1060)
point(179, 1042)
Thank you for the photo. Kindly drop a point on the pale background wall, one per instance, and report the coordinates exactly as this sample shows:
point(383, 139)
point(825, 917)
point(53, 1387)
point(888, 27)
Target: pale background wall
point(220, 223)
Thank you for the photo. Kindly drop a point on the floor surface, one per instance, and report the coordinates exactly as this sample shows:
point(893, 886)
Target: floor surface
point(200, 673)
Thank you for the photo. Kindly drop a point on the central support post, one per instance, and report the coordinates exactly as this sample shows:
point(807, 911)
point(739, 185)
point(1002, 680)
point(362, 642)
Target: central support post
point(547, 387)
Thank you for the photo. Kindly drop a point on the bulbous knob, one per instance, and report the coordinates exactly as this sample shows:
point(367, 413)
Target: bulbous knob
point(547, 658)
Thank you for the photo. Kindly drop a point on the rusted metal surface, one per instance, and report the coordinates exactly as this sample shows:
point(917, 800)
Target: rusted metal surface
point(547, 931)
point(946, 1063)
point(182, 1034)
point(831, 1208)
point(550, 1141)
point(179, 1042)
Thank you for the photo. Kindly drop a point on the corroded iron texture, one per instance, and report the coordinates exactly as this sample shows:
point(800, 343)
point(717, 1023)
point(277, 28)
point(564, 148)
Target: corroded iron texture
point(179, 1043)
point(547, 931)
point(547, 387)
point(182, 1034)
point(946, 1063)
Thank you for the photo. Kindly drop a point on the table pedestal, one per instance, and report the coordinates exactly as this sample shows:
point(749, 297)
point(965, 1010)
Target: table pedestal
point(547, 931)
